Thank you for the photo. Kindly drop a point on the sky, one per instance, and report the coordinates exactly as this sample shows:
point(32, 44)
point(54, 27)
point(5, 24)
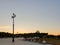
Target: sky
point(31, 15)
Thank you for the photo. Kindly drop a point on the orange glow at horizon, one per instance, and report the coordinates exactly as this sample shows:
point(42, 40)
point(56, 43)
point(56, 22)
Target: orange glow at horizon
point(9, 29)
point(24, 31)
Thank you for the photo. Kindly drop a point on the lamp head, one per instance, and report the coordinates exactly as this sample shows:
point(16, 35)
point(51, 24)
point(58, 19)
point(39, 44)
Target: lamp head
point(13, 15)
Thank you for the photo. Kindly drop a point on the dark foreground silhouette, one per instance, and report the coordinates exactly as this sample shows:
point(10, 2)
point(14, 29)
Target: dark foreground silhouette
point(28, 35)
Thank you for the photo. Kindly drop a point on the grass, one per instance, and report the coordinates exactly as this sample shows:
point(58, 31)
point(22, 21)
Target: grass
point(52, 41)
point(48, 40)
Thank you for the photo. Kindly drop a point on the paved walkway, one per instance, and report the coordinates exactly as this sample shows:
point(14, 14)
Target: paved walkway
point(18, 42)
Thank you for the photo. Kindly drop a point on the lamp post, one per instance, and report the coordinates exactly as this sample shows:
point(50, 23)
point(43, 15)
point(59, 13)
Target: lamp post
point(13, 16)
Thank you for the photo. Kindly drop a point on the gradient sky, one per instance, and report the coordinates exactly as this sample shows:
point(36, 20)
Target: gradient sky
point(31, 15)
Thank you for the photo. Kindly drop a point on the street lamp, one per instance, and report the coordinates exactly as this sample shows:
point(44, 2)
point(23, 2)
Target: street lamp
point(13, 16)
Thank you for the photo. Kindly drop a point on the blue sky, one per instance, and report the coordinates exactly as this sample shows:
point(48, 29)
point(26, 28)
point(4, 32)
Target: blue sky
point(31, 15)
